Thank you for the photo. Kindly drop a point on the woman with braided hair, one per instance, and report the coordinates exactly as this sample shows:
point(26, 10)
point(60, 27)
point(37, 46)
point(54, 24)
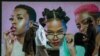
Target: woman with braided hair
point(56, 20)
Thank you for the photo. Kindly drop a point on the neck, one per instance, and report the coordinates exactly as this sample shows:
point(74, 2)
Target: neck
point(20, 38)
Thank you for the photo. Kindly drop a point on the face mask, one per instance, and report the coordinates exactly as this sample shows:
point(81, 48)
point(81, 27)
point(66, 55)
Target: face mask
point(98, 28)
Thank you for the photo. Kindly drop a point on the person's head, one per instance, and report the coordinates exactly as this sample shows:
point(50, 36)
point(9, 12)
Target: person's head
point(21, 17)
point(55, 25)
point(85, 15)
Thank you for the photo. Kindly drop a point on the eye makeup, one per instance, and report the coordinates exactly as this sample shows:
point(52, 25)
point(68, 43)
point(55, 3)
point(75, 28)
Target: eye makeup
point(78, 25)
point(19, 18)
point(11, 19)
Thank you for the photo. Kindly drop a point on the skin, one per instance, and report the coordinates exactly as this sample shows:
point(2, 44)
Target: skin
point(81, 22)
point(19, 20)
point(54, 27)
point(97, 45)
point(70, 38)
point(31, 24)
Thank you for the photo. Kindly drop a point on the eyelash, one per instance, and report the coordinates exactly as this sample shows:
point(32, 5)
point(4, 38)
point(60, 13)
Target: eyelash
point(49, 32)
point(19, 18)
point(85, 22)
point(59, 32)
point(78, 26)
point(11, 19)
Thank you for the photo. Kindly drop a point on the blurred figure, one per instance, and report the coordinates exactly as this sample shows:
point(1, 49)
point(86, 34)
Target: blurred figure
point(86, 21)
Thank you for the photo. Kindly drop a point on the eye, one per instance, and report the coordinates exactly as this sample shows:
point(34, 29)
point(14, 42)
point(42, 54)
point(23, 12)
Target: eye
point(60, 32)
point(20, 18)
point(11, 19)
point(87, 21)
point(78, 26)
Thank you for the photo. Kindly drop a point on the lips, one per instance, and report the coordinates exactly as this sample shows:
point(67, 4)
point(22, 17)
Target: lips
point(13, 29)
point(56, 43)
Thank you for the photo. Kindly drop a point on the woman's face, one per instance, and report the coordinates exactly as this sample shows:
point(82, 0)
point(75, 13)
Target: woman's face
point(55, 33)
point(82, 22)
point(19, 20)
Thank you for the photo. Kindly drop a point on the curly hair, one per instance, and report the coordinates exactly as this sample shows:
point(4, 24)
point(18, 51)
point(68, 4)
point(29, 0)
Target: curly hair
point(58, 13)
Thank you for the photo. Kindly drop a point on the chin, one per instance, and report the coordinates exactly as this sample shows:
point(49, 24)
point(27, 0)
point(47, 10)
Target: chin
point(56, 47)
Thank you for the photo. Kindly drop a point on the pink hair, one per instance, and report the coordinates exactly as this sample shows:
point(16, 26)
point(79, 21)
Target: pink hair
point(91, 8)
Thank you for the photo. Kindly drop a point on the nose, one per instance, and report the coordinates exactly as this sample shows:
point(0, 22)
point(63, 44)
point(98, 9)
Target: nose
point(81, 29)
point(14, 21)
point(55, 37)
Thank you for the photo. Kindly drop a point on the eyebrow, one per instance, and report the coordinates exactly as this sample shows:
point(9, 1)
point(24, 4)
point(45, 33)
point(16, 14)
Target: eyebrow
point(57, 30)
point(19, 14)
point(49, 31)
point(86, 18)
point(60, 30)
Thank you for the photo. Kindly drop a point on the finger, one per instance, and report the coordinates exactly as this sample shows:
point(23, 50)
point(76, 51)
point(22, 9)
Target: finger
point(7, 32)
point(11, 35)
point(8, 36)
point(5, 35)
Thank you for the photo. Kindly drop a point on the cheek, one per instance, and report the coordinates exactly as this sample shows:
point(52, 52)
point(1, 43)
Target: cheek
point(85, 27)
point(22, 25)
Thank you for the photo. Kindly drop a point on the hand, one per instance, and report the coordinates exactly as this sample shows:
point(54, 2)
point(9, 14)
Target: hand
point(9, 39)
point(70, 38)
